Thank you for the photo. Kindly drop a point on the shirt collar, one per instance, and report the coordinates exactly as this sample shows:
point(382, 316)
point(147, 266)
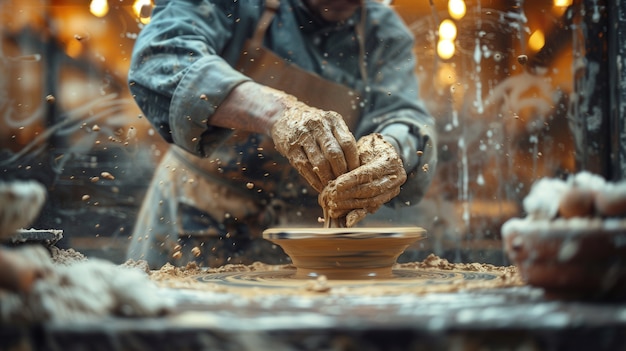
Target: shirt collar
point(312, 23)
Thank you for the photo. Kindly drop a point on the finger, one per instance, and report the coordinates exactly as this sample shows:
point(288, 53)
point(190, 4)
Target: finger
point(346, 142)
point(352, 179)
point(372, 204)
point(349, 149)
point(368, 174)
point(330, 150)
point(325, 200)
point(318, 162)
point(300, 162)
point(355, 216)
point(335, 156)
point(367, 190)
point(382, 189)
point(337, 142)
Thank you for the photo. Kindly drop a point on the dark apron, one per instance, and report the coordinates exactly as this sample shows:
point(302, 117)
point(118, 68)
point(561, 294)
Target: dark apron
point(249, 159)
point(265, 67)
point(222, 203)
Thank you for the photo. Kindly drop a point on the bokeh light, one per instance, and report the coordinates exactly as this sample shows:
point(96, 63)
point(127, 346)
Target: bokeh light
point(447, 30)
point(457, 9)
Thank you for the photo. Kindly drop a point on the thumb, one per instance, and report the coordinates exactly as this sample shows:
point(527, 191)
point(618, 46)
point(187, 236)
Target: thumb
point(355, 216)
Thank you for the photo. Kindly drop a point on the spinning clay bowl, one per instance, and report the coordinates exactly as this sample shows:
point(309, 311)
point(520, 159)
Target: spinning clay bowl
point(570, 258)
point(344, 253)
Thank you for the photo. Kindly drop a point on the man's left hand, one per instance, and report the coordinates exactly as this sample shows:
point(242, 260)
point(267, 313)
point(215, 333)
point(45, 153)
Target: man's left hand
point(366, 188)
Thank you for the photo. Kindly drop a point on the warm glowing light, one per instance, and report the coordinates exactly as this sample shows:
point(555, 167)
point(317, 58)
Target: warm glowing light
point(445, 49)
point(447, 30)
point(560, 6)
point(457, 9)
point(143, 10)
point(446, 75)
point(73, 48)
point(536, 41)
point(99, 8)
point(562, 3)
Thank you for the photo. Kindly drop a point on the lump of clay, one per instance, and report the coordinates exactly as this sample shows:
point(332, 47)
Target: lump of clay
point(84, 290)
point(582, 195)
point(543, 199)
point(582, 203)
point(571, 242)
point(20, 203)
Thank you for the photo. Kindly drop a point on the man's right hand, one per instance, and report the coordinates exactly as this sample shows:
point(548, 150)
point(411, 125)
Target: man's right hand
point(317, 143)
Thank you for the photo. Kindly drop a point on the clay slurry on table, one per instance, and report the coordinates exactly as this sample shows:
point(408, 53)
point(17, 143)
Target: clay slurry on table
point(285, 278)
point(431, 275)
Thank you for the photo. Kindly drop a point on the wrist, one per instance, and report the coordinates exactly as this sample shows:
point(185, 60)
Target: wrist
point(406, 144)
point(252, 107)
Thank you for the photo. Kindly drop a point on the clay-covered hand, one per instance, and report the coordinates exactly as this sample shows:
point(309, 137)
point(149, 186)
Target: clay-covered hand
point(317, 143)
point(365, 189)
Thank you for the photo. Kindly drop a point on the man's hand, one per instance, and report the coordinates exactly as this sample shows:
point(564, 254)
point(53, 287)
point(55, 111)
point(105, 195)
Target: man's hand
point(363, 190)
point(317, 143)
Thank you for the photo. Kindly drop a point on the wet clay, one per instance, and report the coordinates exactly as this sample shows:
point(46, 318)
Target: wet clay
point(65, 256)
point(344, 253)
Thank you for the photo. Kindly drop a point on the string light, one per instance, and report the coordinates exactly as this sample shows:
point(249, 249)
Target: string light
point(143, 10)
point(447, 30)
point(562, 3)
point(445, 49)
point(457, 9)
point(99, 8)
point(560, 6)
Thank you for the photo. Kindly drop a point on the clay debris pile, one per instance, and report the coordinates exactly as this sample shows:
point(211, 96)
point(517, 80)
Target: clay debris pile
point(69, 287)
point(508, 276)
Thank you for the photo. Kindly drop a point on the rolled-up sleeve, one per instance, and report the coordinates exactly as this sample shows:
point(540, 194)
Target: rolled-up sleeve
point(177, 76)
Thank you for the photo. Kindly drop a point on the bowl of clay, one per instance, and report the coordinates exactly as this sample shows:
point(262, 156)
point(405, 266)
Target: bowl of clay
point(575, 258)
point(344, 253)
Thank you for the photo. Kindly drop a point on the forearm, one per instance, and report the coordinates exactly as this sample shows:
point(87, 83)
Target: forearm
point(251, 107)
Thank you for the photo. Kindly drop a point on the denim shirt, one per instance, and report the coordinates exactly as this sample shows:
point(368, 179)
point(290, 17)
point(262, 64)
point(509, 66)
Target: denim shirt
point(182, 69)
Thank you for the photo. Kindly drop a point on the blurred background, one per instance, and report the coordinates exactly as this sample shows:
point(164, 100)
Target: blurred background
point(521, 89)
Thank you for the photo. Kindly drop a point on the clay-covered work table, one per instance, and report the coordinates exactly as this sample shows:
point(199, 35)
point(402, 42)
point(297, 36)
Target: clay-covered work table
point(236, 315)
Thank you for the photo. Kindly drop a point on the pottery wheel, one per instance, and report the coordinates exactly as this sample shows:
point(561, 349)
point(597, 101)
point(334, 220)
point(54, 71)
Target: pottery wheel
point(433, 274)
point(284, 278)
